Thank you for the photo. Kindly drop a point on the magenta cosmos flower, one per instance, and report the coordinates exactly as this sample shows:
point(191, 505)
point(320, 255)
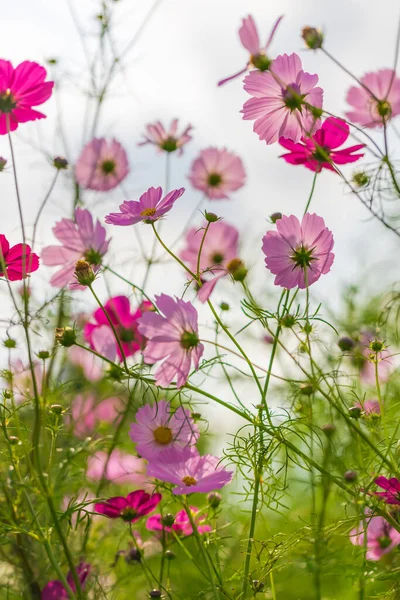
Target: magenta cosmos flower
point(391, 495)
point(298, 253)
point(102, 165)
point(158, 427)
point(250, 39)
point(281, 101)
point(166, 140)
point(320, 151)
point(125, 323)
point(149, 208)
point(217, 173)
point(55, 590)
point(120, 468)
point(136, 505)
point(21, 89)
point(189, 471)
point(382, 538)
point(87, 414)
point(181, 525)
point(16, 262)
point(378, 101)
point(172, 339)
point(80, 239)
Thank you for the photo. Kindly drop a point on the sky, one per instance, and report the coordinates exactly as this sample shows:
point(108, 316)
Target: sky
point(172, 71)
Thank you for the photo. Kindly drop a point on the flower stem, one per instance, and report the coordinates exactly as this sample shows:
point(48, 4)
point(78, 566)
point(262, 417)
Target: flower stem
point(311, 193)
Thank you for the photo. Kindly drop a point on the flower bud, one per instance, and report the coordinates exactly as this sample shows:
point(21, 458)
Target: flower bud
point(66, 336)
point(346, 344)
point(350, 476)
point(133, 555)
point(360, 179)
point(168, 520)
point(329, 429)
point(288, 321)
point(275, 217)
point(211, 217)
point(10, 343)
point(313, 37)
point(355, 412)
point(196, 416)
point(257, 586)
point(214, 499)
point(237, 269)
point(376, 346)
point(84, 273)
point(13, 440)
point(306, 389)
point(60, 163)
point(169, 555)
point(8, 394)
point(224, 306)
point(43, 354)
point(3, 162)
point(307, 328)
point(56, 409)
point(155, 594)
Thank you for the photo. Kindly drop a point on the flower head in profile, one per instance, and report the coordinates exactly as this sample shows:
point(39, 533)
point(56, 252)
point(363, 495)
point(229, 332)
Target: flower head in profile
point(21, 89)
point(159, 427)
point(130, 509)
point(298, 253)
point(82, 238)
point(125, 320)
point(376, 101)
point(283, 102)
point(189, 471)
point(167, 140)
point(87, 414)
point(119, 468)
point(320, 150)
point(181, 525)
point(16, 262)
point(382, 538)
point(391, 495)
point(55, 590)
point(250, 39)
point(173, 338)
point(102, 165)
point(149, 208)
point(217, 173)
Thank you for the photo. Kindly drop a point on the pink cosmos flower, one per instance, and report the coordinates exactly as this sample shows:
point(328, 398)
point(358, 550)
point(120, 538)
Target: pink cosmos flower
point(298, 253)
point(189, 471)
point(87, 414)
point(21, 382)
point(217, 173)
point(281, 101)
point(130, 509)
point(121, 468)
point(377, 102)
point(158, 427)
point(382, 538)
point(220, 247)
point(21, 89)
point(80, 239)
point(91, 365)
point(16, 262)
point(167, 140)
point(251, 41)
point(181, 525)
point(370, 407)
point(125, 323)
point(149, 208)
point(55, 590)
point(102, 165)
point(391, 495)
point(368, 357)
point(172, 339)
point(319, 151)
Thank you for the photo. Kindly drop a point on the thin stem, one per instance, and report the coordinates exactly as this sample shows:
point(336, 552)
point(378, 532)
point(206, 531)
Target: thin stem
point(47, 196)
point(311, 193)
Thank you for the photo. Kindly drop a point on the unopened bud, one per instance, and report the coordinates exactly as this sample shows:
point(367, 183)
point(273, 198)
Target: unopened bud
point(313, 37)
point(306, 389)
point(13, 440)
point(8, 394)
point(56, 409)
point(169, 555)
point(196, 416)
point(355, 412)
point(10, 343)
point(3, 162)
point(43, 354)
point(346, 344)
point(360, 179)
point(60, 163)
point(237, 269)
point(350, 476)
point(211, 217)
point(329, 429)
point(168, 520)
point(84, 273)
point(65, 336)
point(376, 346)
point(224, 306)
point(275, 217)
point(214, 499)
point(133, 555)
point(257, 585)
point(155, 594)
point(288, 321)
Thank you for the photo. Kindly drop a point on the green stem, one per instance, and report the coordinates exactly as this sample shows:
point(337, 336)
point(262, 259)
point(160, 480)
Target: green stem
point(311, 193)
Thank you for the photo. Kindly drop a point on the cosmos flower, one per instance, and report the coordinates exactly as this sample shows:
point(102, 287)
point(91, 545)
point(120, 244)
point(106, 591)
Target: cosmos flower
point(283, 100)
point(120, 468)
point(166, 140)
point(377, 102)
point(87, 414)
point(82, 238)
point(16, 262)
point(21, 89)
point(149, 208)
point(102, 165)
point(391, 495)
point(181, 525)
point(320, 150)
point(137, 504)
point(250, 39)
point(382, 538)
point(55, 590)
point(298, 253)
point(217, 173)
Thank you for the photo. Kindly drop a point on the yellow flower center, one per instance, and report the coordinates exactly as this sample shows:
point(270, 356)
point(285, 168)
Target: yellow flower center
point(163, 435)
point(148, 212)
point(189, 481)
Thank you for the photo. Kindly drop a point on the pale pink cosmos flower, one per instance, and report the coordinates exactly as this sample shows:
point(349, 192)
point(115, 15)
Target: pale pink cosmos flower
point(298, 253)
point(102, 165)
point(369, 407)
point(149, 208)
point(159, 427)
point(167, 140)
point(91, 365)
point(120, 468)
point(220, 247)
point(384, 358)
point(282, 100)
point(189, 471)
point(250, 39)
point(217, 173)
point(21, 89)
point(21, 380)
point(181, 525)
point(377, 102)
point(87, 414)
point(172, 339)
point(82, 238)
point(382, 538)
